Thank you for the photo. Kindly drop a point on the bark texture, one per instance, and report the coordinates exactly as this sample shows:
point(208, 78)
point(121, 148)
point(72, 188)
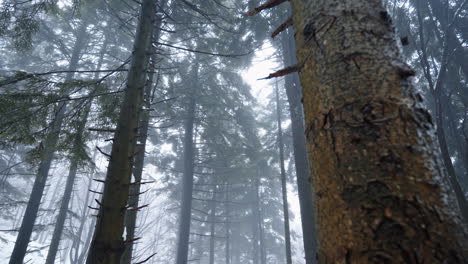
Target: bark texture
point(108, 246)
point(381, 193)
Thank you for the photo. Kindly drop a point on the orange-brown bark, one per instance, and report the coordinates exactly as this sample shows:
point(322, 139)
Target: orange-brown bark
point(381, 192)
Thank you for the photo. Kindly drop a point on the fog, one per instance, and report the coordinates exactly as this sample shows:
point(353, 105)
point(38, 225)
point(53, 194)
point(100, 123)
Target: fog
point(221, 131)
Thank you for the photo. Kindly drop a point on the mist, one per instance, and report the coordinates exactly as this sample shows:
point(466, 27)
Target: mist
point(221, 131)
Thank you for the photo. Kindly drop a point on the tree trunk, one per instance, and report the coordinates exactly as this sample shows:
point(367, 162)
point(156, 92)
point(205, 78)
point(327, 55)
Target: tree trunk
point(304, 189)
point(437, 88)
point(460, 56)
point(134, 193)
point(284, 190)
point(212, 220)
point(381, 193)
point(49, 146)
point(255, 221)
point(77, 144)
point(187, 181)
point(87, 243)
point(227, 212)
point(107, 246)
point(76, 242)
point(261, 239)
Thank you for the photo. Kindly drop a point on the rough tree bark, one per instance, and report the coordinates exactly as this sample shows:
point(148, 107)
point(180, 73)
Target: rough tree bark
point(284, 190)
point(49, 146)
point(381, 193)
point(108, 246)
point(187, 181)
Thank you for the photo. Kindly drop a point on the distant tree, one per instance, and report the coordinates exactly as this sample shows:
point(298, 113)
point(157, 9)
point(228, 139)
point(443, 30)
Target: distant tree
point(284, 190)
point(48, 148)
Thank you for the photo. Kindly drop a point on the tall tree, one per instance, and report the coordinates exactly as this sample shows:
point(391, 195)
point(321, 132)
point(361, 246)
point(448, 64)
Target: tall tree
point(284, 190)
point(131, 215)
point(187, 180)
point(48, 150)
point(294, 94)
point(107, 245)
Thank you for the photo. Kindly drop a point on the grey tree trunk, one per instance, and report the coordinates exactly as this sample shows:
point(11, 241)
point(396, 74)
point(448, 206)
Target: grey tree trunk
point(74, 258)
point(187, 181)
point(49, 146)
point(255, 222)
point(437, 88)
point(134, 193)
point(227, 212)
point(284, 191)
point(212, 219)
point(78, 143)
point(304, 188)
point(75, 247)
point(107, 245)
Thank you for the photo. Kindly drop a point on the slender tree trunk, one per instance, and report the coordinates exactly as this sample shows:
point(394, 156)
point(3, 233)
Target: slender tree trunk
point(261, 231)
point(437, 92)
point(87, 243)
point(255, 222)
point(304, 189)
point(49, 146)
point(108, 246)
point(77, 144)
point(227, 212)
point(381, 194)
point(284, 190)
point(76, 243)
point(187, 181)
point(212, 220)
point(439, 9)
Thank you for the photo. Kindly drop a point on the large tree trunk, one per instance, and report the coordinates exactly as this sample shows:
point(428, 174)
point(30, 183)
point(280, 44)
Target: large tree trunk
point(381, 193)
point(284, 190)
point(187, 181)
point(49, 146)
point(107, 246)
point(293, 92)
point(134, 194)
